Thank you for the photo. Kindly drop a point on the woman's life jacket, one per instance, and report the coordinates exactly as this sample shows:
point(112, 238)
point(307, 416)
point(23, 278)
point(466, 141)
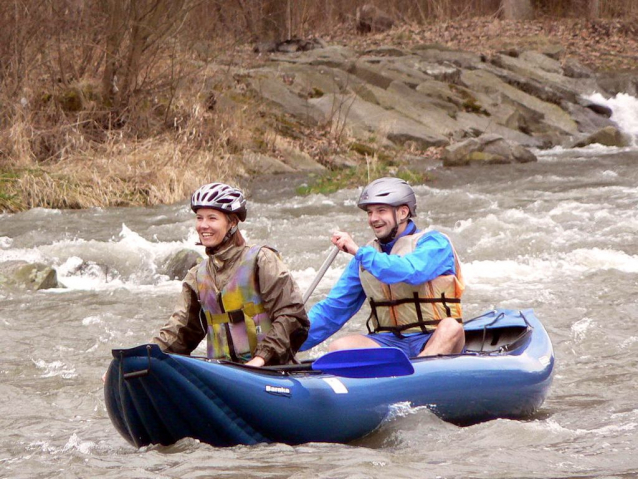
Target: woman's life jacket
point(236, 317)
point(403, 307)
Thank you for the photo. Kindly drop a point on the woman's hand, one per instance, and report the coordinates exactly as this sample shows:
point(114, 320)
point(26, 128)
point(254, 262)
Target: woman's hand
point(256, 362)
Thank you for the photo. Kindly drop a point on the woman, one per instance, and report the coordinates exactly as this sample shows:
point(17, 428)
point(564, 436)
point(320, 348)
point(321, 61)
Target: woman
point(242, 298)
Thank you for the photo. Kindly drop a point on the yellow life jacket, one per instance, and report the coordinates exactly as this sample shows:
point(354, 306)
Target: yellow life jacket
point(403, 307)
point(236, 317)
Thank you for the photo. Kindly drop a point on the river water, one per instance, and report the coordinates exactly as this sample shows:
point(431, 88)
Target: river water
point(558, 236)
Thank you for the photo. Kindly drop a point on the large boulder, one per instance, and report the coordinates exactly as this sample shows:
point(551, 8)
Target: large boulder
point(572, 68)
point(331, 56)
point(364, 119)
point(443, 55)
point(588, 116)
point(608, 136)
point(382, 72)
point(272, 87)
point(258, 163)
point(551, 86)
point(178, 264)
point(29, 276)
point(295, 158)
point(554, 117)
point(614, 83)
point(486, 149)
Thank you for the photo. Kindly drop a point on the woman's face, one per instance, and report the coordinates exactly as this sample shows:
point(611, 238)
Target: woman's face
point(211, 226)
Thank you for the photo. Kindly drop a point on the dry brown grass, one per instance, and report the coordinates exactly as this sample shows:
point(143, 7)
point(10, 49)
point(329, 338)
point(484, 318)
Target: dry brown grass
point(70, 166)
point(67, 143)
point(153, 171)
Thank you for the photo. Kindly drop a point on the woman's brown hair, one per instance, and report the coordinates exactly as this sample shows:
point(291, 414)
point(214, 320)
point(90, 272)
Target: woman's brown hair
point(237, 239)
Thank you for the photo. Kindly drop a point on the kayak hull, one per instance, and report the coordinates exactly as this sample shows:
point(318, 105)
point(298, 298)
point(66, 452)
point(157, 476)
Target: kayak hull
point(158, 398)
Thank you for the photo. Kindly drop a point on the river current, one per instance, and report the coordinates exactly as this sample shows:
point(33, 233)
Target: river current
point(558, 236)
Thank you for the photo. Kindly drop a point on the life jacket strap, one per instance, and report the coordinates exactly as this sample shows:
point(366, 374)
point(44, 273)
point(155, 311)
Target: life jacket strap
point(403, 327)
point(417, 301)
point(236, 316)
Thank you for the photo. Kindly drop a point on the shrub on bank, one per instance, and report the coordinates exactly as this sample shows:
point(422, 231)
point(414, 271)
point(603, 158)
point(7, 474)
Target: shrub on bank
point(121, 102)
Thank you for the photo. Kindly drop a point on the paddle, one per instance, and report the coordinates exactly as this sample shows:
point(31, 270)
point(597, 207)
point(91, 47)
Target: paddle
point(355, 363)
point(365, 363)
point(324, 267)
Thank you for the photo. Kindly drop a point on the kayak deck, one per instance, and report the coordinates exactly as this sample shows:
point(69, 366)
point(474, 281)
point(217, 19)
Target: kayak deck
point(158, 398)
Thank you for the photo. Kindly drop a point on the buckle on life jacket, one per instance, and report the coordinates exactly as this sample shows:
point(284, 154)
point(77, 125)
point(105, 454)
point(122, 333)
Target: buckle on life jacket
point(235, 316)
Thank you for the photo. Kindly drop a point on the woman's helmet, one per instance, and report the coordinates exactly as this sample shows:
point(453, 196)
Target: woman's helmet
point(221, 197)
point(388, 191)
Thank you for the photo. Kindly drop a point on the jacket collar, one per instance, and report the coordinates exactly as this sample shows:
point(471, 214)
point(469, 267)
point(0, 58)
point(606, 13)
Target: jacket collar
point(226, 255)
point(409, 230)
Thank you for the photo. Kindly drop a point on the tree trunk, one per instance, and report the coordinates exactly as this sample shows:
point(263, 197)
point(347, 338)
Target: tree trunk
point(115, 12)
point(517, 9)
point(594, 9)
point(273, 21)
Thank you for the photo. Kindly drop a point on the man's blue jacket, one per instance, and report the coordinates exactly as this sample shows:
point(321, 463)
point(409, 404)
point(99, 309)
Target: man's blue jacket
point(432, 257)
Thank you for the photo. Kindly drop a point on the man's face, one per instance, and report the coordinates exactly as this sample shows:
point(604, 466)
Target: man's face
point(381, 220)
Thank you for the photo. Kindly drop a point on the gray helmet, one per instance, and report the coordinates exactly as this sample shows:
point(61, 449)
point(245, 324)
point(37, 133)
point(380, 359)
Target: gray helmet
point(221, 197)
point(388, 191)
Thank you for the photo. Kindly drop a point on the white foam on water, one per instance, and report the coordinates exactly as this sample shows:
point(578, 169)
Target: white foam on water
point(630, 341)
point(609, 430)
point(55, 368)
point(545, 267)
point(624, 111)
point(586, 153)
point(22, 254)
point(73, 444)
point(128, 260)
point(595, 259)
point(579, 328)
point(523, 269)
point(90, 320)
point(76, 444)
point(305, 277)
point(401, 409)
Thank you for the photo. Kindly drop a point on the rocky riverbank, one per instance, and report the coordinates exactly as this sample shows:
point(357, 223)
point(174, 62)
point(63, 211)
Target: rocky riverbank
point(348, 106)
point(480, 109)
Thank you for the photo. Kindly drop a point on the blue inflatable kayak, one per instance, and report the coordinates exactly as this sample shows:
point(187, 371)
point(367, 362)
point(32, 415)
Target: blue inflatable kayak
point(158, 398)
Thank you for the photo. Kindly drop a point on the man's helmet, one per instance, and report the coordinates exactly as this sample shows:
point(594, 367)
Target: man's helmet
point(388, 191)
point(221, 197)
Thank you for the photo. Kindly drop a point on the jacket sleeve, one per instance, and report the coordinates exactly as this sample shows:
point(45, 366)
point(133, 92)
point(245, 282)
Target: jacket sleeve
point(330, 314)
point(283, 301)
point(432, 257)
point(184, 331)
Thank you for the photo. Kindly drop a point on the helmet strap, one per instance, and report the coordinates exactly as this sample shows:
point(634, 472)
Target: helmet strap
point(229, 234)
point(393, 231)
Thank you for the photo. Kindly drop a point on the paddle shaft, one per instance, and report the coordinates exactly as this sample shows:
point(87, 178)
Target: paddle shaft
point(324, 267)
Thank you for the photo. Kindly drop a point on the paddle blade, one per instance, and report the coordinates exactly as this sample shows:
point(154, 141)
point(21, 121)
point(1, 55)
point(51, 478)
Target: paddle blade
point(365, 363)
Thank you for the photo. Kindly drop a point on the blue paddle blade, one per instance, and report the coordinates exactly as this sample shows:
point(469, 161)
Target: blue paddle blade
point(365, 363)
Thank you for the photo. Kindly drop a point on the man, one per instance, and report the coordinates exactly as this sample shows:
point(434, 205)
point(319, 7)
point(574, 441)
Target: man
point(411, 278)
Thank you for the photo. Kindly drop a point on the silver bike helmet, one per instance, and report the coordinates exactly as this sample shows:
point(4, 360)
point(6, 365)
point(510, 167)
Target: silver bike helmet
point(221, 197)
point(388, 191)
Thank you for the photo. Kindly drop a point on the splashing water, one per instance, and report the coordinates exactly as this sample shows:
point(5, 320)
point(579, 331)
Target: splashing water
point(625, 111)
